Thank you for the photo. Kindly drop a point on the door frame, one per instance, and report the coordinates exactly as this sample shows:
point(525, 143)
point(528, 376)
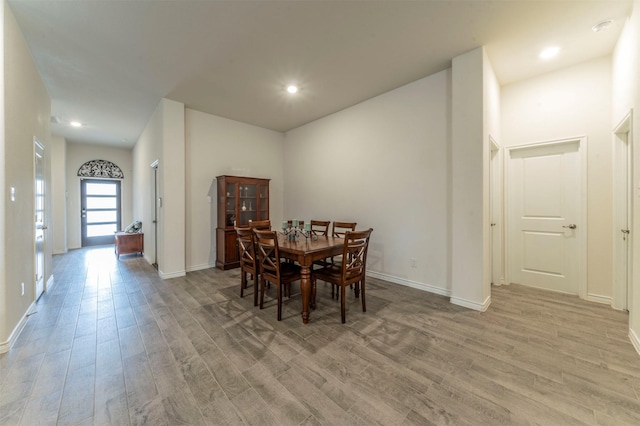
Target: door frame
point(155, 203)
point(39, 151)
point(582, 214)
point(496, 208)
point(623, 190)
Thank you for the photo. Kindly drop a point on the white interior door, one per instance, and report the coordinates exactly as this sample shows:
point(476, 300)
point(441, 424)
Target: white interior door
point(40, 227)
point(545, 216)
point(623, 192)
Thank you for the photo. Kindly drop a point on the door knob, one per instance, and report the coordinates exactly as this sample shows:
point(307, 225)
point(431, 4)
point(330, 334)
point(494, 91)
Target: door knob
point(571, 226)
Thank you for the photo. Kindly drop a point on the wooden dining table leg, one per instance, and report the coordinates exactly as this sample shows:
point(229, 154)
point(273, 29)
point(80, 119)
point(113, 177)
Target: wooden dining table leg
point(305, 289)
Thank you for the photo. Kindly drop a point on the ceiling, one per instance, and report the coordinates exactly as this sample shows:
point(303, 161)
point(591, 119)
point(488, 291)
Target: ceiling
point(109, 63)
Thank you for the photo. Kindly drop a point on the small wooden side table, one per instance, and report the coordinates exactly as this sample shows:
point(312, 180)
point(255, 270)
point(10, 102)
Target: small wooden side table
point(128, 243)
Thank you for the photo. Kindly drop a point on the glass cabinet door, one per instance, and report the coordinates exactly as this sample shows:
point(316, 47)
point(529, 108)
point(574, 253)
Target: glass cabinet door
point(230, 208)
point(248, 204)
point(264, 202)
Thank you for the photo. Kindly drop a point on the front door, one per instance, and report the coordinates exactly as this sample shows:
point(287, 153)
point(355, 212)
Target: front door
point(100, 199)
point(545, 225)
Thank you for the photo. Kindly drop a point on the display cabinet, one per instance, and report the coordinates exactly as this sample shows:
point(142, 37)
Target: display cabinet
point(240, 200)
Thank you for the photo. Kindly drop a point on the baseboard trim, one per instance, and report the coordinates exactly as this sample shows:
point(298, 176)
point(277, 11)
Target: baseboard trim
point(200, 267)
point(166, 276)
point(6, 345)
point(606, 300)
point(50, 283)
point(482, 307)
point(408, 283)
point(635, 341)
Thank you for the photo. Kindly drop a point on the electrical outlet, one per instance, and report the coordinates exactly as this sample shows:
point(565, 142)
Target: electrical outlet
point(413, 262)
point(22, 288)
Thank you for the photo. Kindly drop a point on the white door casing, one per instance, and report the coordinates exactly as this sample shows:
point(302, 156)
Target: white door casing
point(496, 214)
point(622, 205)
point(546, 200)
point(39, 214)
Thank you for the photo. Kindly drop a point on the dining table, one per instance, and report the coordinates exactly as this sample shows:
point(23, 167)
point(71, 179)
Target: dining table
point(306, 251)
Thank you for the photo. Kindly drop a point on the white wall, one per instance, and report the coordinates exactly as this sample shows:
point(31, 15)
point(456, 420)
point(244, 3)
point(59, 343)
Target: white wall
point(491, 131)
point(470, 277)
point(495, 249)
point(217, 146)
point(172, 212)
point(148, 149)
point(26, 114)
point(382, 163)
point(77, 155)
point(626, 68)
point(572, 102)
point(58, 193)
point(626, 97)
point(162, 140)
point(6, 328)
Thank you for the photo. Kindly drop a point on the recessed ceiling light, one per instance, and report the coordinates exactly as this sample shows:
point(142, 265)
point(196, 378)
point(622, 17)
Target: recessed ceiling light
point(76, 124)
point(292, 89)
point(549, 52)
point(601, 26)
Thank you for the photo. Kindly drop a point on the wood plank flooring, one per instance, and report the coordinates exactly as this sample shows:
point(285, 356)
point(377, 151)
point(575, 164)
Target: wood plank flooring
point(111, 343)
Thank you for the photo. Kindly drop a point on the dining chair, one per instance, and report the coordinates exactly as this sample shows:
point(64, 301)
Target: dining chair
point(260, 224)
point(351, 271)
point(248, 263)
point(339, 228)
point(320, 228)
point(272, 269)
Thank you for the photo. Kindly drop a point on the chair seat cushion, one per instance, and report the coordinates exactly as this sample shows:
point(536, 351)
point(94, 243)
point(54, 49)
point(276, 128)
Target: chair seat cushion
point(329, 273)
point(288, 269)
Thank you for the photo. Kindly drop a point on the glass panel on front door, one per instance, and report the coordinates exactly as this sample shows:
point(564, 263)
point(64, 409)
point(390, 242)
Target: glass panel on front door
point(100, 211)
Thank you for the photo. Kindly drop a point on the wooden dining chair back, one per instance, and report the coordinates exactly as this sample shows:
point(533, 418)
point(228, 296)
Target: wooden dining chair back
point(352, 270)
point(271, 268)
point(320, 228)
point(339, 228)
point(248, 261)
point(260, 224)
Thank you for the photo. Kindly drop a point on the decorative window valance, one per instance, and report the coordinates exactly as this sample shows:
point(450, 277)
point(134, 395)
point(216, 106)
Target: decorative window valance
point(100, 168)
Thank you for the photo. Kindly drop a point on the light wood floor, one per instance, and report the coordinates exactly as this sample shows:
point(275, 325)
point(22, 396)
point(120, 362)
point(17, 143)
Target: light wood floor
point(112, 343)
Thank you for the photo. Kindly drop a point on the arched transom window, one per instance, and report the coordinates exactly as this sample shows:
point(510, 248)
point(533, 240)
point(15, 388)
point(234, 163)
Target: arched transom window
point(100, 169)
